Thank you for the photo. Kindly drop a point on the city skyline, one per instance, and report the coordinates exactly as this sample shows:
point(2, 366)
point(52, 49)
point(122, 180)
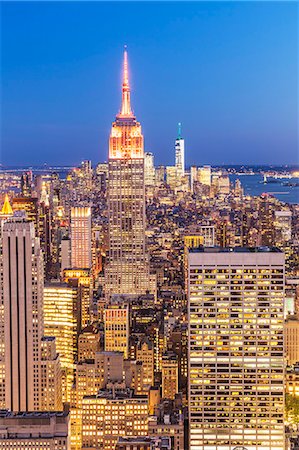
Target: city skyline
point(208, 105)
point(149, 286)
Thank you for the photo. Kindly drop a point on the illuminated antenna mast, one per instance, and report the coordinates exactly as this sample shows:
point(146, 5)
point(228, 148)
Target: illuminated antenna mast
point(126, 103)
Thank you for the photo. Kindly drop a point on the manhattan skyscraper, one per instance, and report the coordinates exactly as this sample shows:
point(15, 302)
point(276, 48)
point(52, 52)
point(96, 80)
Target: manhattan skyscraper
point(127, 270)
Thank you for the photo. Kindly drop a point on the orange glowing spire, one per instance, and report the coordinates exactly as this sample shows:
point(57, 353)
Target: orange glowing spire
point(126, 103)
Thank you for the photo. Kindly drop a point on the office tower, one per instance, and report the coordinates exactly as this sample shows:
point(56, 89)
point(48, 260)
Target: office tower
point(193, 177)
point(102, 175)
point(89, 342)
point(82, 280)
point(204, 175)
point(81, 237)
point(87, 174)
point(26, 184)
point(45, 233)
point(291, 329)
point(149, 169)
point(112, 413)
point(238, 190)
point(51, 376)
point(224, 185)
point(205, 236)
point(160, 174)
point(171, 425)
point(86, 167)
point(34, 430)
point(116, 326)
point(30, 206)
point(60, 321)
point(92, 375)
point(127, 270)
point(65, 254)
point(145, 354)
point(283, 227)
point(172, 177)
point(236, 358)
point(180, 154)
point(266, 218)
point(170, 375)
point(22, 324)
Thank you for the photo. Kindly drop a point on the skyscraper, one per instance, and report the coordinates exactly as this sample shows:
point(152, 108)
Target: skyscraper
point(236, 358)
point(61, 321)
point(22, 297)
point(81, 237)
point(180, 154)
point(116, 323)
point(149, 169)
point(127, 269)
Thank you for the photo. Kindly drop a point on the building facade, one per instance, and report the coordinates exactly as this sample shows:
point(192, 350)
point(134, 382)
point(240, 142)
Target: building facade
point(236, 358)
point(34, 431)
point(127, 270)
point(116, 325)
point(81, 237)
point(179, 154)
point(60, 319)
point(22, 314)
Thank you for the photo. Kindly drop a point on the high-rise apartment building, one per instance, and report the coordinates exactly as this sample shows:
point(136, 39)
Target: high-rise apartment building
point(127, 270)
point(180, 154)
point(21, 314)
point(81, 237)
point(236, 358)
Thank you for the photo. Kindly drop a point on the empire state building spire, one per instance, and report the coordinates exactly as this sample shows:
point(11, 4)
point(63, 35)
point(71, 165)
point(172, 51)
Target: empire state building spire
point(126, 103)
point(126, 140)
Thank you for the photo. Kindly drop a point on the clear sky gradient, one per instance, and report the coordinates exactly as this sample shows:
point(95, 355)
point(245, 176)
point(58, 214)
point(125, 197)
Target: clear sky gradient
point(228, 71)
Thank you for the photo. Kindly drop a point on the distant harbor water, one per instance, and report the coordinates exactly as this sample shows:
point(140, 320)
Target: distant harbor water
point(253, 185)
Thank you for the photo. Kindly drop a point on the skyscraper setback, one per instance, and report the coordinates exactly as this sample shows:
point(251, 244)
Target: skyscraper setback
point(127, 269)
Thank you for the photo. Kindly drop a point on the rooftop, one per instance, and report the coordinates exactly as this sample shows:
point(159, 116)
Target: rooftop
point(235, 250)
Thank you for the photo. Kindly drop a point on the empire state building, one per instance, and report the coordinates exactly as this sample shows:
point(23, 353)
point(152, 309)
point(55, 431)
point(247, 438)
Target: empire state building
point(127, 269)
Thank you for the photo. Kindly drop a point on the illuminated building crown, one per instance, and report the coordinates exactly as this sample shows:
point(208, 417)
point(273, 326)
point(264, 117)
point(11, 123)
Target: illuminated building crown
point(126, 140)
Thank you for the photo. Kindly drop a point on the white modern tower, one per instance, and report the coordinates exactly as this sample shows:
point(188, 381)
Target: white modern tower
point(236, 357)
point(180, 153)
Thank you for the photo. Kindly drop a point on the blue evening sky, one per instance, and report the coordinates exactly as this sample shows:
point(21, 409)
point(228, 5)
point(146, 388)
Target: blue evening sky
point(228, 71)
